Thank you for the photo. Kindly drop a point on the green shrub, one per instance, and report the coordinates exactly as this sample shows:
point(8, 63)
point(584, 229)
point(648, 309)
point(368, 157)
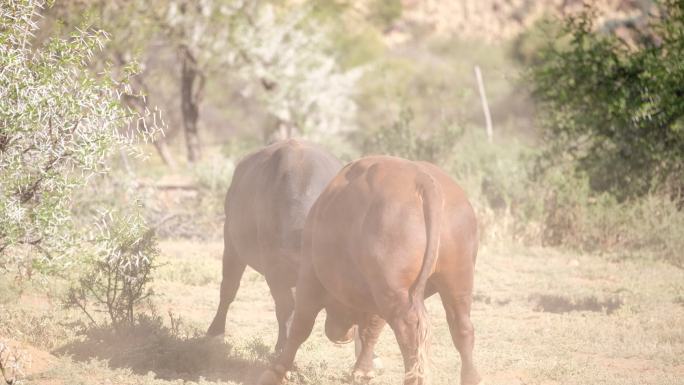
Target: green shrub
point(402, 139)
point(116, 280)
point(609, 176)
point(614, 106)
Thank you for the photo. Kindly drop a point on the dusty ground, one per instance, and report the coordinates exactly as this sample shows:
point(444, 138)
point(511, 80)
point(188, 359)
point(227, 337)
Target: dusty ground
point(541, 317)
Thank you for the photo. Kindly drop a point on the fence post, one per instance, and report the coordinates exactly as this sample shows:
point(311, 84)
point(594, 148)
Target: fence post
point(485, 105)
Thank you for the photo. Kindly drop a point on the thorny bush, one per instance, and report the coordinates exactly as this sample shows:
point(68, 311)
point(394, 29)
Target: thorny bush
point(59, 123)
point(117, 278)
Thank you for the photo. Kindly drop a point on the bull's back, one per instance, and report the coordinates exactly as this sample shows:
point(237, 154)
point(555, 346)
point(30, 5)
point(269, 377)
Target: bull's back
point(368, 228)
point(269, 198)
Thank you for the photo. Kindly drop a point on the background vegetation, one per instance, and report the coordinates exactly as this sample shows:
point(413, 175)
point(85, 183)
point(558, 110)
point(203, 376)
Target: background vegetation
point(121, 123)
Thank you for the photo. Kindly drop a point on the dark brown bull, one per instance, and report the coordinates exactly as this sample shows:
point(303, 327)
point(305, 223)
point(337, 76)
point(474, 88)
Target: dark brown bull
point(266, 207)
point(385, 234)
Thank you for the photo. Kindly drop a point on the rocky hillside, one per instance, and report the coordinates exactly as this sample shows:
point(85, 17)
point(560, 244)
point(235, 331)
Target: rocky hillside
point(495, 20)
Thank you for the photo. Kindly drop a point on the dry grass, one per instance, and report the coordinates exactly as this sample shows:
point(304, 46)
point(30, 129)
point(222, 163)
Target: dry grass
point(541, 317)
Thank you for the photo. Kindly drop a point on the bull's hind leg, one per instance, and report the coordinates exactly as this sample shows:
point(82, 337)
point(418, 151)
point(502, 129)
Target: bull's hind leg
point(310, 297)
point(284, 305)
point(457, 308)
point(368, 332)
point(233, 268)
point(411, 330)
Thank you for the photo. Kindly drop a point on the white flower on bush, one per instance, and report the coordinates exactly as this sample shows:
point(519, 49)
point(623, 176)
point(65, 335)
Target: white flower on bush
point(59, 123)
point(290, 54)
point(14, 211)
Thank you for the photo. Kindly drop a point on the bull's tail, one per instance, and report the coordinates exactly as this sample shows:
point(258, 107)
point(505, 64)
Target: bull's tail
point(433, 203)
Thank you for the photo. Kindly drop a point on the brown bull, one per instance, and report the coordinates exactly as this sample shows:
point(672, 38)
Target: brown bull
point(385, 234)
point(266, 207)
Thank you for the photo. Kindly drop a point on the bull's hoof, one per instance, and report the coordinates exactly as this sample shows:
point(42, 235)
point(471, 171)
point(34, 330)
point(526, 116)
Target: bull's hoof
point(269, 377)
point(473, 380)
point(361, 376)
point(273, 376)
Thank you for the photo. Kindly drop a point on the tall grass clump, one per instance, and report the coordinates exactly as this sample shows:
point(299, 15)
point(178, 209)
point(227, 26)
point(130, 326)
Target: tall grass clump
point(577, 217)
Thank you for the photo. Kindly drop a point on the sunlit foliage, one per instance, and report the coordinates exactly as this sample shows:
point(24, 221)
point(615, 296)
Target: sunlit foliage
point(59, 123)
point(614, 104)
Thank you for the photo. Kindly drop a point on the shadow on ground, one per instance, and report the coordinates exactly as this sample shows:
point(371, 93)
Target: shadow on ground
point(561, 304)
point(151, 347)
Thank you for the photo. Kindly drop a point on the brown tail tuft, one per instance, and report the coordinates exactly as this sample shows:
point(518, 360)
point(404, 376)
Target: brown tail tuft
point(421, 368)
point(433, 203)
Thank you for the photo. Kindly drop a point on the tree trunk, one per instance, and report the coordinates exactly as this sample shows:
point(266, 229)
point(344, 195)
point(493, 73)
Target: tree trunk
point(164, 153)
point(192, 83)
point(138, 102)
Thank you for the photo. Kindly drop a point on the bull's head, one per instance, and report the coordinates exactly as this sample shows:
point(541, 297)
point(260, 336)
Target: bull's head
point(339, 324)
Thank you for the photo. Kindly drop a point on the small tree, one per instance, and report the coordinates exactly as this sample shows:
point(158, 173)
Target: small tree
point(194, 30)
point(285, 55)
point(58, 125)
